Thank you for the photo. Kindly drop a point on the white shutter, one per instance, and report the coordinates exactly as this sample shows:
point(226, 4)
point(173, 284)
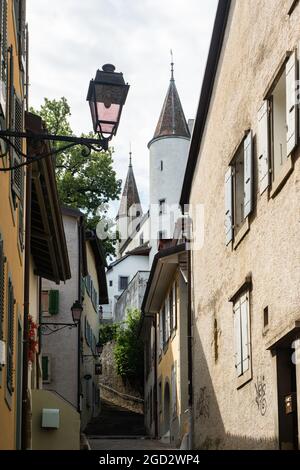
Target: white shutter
point(245, 334)
point(160, 332)
point(238, 339)
point(291, 106)
point(263, 147)
point(228, 206)
point(248, 178)
point(174, 306)
point(168, 328)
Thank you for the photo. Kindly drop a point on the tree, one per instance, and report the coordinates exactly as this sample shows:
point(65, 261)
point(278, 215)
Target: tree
point(129, 354)
point(87, 182)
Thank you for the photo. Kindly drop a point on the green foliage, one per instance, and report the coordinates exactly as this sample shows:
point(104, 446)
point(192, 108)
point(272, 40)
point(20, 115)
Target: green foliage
point(86, 182)
point(108, 333)
point(129, 355)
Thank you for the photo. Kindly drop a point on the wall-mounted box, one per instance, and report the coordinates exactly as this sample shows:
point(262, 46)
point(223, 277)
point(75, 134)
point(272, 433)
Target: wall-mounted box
point(2, 353)
point(50, 418)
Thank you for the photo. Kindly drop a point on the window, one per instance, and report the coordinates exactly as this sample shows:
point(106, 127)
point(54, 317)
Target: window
point(160, 397)
point(277, 135)
point(10, 337)
point(110, 283)
point(2, 285)
point(142, 239)
point(174, 389)
point(161, 165)
point(162, 206)
point(161, 235)
point(50, 302)
point(46, 370)
point(3, 57)
point(164, 326)
point(242, 336)
point(239, 189)
point(123, 282)
point(266, 317)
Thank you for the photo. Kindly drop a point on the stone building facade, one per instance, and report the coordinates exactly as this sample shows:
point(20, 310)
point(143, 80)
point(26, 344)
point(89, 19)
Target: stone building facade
point(245, 279)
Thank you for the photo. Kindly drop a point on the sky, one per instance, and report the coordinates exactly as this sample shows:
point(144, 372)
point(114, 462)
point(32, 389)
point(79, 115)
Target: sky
point(71, 39)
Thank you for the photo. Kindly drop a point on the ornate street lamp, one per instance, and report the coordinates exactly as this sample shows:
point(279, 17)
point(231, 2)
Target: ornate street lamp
point(76, 310)
point(106, 95)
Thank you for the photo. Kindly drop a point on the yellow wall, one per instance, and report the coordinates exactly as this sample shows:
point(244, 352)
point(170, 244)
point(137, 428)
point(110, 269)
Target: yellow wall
point(14, 268)
point(170, 355)
point(67, 437)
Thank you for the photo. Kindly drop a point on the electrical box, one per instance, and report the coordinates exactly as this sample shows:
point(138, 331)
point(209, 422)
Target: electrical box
point(2, 353)
point(50, 418)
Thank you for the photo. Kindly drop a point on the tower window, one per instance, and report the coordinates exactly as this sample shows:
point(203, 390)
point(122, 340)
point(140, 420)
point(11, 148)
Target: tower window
point(266, 317)
point(161, 165)
point(162, 206)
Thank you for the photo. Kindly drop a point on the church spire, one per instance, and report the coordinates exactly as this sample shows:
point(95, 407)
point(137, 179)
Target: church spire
point(130, 195)
point(172, 120)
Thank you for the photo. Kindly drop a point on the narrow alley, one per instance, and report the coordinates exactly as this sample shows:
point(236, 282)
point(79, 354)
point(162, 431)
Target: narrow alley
point(116, 428)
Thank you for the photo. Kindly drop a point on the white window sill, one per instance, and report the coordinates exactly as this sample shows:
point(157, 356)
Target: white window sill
point(244, 379)
point(241, 233)
point(282, 177)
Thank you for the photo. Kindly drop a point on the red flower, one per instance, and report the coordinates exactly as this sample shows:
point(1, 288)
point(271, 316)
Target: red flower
point(32, 339)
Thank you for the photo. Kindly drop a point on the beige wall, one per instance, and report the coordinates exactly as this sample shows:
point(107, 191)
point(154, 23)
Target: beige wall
point(259, 33)
point(67, 437)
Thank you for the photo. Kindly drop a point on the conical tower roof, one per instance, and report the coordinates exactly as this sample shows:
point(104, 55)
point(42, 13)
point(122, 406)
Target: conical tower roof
point(130, 193)
point(172, 120)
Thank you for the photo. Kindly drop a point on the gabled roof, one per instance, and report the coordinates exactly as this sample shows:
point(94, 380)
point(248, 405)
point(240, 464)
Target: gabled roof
point(130, 193)
point(205, 96)
point(142, 250)
point(172, 120)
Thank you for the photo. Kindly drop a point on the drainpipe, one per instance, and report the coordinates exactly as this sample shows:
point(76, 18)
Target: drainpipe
point(80, 228)
point(25, 404)
point(155, 377)
point(190, 351)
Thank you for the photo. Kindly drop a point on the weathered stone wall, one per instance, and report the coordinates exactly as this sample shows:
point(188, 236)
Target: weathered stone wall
point(112, 380)
point(259, 32)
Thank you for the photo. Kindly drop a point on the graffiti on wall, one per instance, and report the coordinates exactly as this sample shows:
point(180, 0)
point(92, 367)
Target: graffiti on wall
point(202, 405)
point(260, 388)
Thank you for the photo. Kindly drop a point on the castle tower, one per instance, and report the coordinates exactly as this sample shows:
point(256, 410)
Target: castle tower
point(168, 156)
point(130, 209)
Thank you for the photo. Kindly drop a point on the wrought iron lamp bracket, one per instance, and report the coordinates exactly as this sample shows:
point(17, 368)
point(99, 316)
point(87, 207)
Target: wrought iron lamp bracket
point(88, 144)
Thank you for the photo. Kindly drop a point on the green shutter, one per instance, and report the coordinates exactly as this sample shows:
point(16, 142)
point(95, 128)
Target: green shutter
point(2, 278)
point(45, 368)
point(53, 302)
point(10, 337)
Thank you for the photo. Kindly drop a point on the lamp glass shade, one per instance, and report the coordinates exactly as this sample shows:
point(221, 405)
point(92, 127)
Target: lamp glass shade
point(76, 311)
point(107, 95)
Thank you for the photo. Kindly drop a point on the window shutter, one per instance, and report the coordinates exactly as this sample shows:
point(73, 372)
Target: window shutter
point(245, 334)
point(53, 302)
point(22, 33)
point(2, 280)
point(17, 125)
point(263, 147)
point(291, 105)
point(45, 368)
point(10, 338)
point(3, 56)
point(248, 172)
point(228, 206)
point(237, 339)
point(167, 318)
point(174, 294)
point(161, 340)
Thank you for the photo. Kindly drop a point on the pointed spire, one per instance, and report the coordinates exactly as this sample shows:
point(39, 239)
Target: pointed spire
point(172, 65)
point(130, 193)
point(130, 155)
point(172, 119)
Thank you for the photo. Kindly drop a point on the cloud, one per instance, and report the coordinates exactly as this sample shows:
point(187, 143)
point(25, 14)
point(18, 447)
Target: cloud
point(70, 40)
